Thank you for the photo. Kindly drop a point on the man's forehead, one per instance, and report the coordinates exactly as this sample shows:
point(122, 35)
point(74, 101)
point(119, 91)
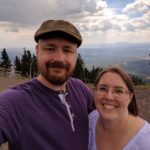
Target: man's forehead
point(56, 41)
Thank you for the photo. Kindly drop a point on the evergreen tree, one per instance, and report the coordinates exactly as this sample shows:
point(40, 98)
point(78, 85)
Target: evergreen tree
point(17, 64)
point(24, 66)
point(94, 73)
point(5, 61)
point(87, 75)
point(79, 69)
point(25, 63)
point(137, 80)
point(28, 64)
point(33, 67)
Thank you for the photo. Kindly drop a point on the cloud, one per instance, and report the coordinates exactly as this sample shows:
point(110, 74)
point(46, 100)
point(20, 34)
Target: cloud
point(90, 6)
point(142, 21)
point(91, 17)
point(30, 11)
point(142, 6)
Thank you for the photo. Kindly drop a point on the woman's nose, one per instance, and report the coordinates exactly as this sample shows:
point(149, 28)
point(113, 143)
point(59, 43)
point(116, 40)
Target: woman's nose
point(109, 95)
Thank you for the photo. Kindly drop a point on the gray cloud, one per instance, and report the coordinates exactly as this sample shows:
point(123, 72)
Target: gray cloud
point(87, 15)
point(23, 14)
point(90, 6)
point(30, 12)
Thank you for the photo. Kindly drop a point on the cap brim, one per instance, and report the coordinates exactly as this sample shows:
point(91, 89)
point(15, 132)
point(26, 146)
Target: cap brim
point(60, 34)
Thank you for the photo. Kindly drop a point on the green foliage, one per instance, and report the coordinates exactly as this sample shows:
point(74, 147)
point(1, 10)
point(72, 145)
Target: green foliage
point(137, 80)
point(91, 75)
point(5, 61)
point(33, 67)
point(17, 63)
point(83, 73)
point(27, 65)
point(79, 69)
point(94, 73)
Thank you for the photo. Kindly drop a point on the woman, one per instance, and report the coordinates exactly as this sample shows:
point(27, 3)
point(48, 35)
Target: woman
point(115, 125)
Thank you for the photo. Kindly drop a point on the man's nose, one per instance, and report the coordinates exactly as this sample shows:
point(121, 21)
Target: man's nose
point(59, 55)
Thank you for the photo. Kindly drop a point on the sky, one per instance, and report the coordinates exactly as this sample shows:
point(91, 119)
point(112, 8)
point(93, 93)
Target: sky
point(99, 21)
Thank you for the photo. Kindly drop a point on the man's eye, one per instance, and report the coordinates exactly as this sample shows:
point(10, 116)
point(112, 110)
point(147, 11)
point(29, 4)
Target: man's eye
point(49, 49)
point(68, 51)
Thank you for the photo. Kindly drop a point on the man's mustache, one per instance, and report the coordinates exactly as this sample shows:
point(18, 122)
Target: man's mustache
point(57, 64)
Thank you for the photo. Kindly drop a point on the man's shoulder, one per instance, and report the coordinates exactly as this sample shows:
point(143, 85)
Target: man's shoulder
point(16, 91)
point(76, 82)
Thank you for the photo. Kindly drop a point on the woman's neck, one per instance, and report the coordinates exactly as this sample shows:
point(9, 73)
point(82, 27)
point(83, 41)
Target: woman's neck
point(114, 126)
point(116, 133)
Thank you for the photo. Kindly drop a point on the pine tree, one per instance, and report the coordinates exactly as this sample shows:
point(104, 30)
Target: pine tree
point(25, 63)
point(5, 61)
point(17, 64)
point(94, 72)
point(137, 80)
point(33, 67)
point(79, 69)
point(28, 64)
point(87, 75)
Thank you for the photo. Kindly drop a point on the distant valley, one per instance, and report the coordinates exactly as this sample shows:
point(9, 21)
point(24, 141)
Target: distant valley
point(134, 57)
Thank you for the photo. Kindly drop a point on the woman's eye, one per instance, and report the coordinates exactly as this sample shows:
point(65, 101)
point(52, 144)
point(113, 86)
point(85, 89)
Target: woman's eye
point(102, 89)
point(119, 91)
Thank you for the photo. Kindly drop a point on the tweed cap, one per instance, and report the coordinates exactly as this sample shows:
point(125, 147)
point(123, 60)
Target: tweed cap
point(59, 28)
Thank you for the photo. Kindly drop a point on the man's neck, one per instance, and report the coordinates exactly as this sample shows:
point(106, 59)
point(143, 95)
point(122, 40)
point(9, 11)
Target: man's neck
point(61, 88)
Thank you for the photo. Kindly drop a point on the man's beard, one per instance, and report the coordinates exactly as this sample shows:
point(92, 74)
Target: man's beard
point(52, 78)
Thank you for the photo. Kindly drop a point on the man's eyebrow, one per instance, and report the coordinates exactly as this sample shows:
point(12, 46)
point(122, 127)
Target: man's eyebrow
point(49, 44)
point(67, 46)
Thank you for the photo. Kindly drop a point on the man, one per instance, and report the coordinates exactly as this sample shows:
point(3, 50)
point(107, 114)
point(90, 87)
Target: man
point(49, 112)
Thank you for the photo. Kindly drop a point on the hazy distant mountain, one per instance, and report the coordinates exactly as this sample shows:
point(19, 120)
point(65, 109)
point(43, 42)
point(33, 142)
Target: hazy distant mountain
point(102, 50)
point(131, 56)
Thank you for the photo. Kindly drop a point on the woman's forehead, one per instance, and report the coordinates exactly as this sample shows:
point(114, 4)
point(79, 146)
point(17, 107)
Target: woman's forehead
point(113, 79)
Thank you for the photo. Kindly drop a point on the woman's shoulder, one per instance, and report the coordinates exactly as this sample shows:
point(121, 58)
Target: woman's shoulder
point(146, 130)
point(94, 114)
point(93, 117)
point(145, 136)
point(141, 140)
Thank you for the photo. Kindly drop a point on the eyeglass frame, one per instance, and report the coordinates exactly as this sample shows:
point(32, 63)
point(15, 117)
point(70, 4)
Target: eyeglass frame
point(118, 91)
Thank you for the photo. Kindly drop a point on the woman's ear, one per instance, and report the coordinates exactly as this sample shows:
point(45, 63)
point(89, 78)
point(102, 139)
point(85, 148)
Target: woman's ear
point(131, 95)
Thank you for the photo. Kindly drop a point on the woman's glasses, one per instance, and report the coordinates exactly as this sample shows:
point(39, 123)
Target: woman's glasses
point(116, 91)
